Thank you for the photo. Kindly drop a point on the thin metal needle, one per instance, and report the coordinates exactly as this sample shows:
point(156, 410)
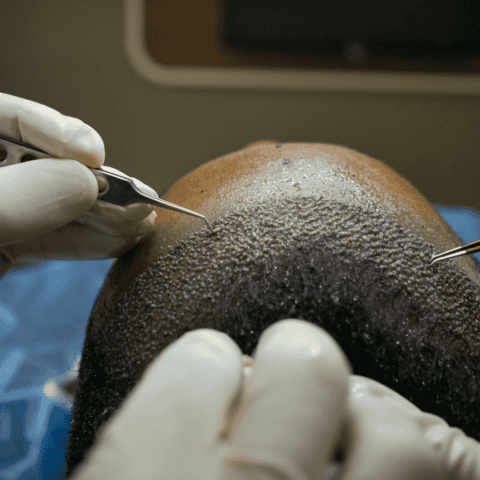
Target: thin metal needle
point(466, 249)
point(171, 206)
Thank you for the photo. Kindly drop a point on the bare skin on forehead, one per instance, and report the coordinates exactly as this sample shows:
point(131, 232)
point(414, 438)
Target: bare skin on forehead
point(268, 170)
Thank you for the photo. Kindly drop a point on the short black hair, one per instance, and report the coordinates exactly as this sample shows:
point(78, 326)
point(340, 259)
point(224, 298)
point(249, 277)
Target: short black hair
point(362, 277)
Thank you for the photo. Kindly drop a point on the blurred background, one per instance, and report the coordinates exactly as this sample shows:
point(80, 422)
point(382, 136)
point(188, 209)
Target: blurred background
point(72, 57)
point(170, 85)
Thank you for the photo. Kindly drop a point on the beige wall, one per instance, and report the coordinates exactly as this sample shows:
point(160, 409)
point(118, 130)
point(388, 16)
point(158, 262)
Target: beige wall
point(69, 54)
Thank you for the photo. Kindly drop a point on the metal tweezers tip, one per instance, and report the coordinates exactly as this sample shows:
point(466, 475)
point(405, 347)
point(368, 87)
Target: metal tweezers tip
point(466, 249)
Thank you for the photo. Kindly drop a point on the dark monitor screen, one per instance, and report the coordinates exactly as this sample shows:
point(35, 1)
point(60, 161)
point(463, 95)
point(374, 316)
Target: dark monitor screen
point(387, 35)
point(357, 30)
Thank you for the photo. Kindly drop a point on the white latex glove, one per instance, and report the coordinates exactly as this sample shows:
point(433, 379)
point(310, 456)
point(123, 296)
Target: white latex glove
point(193, 415)
point(49, 208)
point(387, 437)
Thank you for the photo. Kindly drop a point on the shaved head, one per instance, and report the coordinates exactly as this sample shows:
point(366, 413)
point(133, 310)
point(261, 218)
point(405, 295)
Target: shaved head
point(314, 232)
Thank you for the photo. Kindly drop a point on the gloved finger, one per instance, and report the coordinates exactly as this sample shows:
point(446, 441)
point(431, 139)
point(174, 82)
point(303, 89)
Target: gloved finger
point(385, 439)
point(61, 136)
point(71, 242)
point(170, 423)
point(290, 420)
point(41, 196)
point(390, 398)
point(125, 228)
point(460, 455)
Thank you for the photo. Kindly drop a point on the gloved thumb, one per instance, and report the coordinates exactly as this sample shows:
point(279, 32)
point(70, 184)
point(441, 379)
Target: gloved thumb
point(43, 195)
point(460, 454)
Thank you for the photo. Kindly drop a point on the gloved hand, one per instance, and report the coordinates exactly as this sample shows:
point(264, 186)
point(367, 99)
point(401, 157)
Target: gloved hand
point(387, 437)
point(195, 415)
point(49, 208)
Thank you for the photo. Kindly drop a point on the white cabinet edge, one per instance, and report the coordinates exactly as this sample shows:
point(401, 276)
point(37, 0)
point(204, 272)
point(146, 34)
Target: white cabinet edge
point(279, 79)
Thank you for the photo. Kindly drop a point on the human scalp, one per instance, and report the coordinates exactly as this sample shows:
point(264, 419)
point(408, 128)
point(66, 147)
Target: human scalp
point(362, 277)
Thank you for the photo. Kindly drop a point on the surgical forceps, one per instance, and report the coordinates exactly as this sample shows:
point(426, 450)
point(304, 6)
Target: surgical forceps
point(114, 187)
point(466, 249)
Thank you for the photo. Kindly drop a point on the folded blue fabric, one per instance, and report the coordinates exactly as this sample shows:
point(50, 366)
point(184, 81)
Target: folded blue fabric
point(44, 311)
